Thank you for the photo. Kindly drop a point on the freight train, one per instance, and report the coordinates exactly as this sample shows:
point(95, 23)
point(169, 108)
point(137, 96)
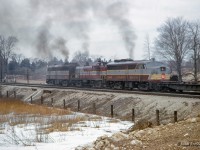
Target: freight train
point(121, 74)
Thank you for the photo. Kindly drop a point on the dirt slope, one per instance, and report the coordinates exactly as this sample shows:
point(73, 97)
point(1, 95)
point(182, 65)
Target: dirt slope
point(145, 105)
point(181, 135)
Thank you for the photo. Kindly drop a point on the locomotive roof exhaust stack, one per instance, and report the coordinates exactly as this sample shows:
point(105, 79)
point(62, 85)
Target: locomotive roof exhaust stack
point(123, 60)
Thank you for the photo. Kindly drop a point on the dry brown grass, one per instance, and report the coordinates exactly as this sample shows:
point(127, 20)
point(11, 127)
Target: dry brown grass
point(17, 112)
point(57, 126)
point(19, 107)
point(64, 125)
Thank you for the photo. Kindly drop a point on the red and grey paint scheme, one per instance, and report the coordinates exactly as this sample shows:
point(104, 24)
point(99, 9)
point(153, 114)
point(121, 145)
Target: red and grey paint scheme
point(138, 71)
point(118, 74)
point(60, 74)
point(136, 74)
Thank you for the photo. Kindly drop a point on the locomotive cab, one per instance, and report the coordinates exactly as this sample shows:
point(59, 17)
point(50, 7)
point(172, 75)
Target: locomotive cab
point(158, 71)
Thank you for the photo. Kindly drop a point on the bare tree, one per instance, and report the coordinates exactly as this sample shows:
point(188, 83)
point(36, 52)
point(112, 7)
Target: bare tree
point(172, 42)
point(2, 47)
point(82, 58)
point(147, 47)
point(9, 47)
point(194, 34)
point(1, 67)
point(18, 57)
point(6, 48)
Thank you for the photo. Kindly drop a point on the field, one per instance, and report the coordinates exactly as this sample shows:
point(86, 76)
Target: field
point(28, 126)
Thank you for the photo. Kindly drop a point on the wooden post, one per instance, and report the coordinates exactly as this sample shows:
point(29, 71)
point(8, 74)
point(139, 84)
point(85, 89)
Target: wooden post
point(52, 102)
point(175, 116)
point(7, 94)
point(94, 108)
point(133, 115)
point(157, 118)
point(78, 105)
point(15, 94)
point(64, 103)
point(31, 99)
point(112, 111)
point(0, 93)
point(41, 99)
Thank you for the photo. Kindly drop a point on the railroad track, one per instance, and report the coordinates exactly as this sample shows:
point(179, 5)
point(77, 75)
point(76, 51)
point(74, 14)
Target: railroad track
point(46, 86)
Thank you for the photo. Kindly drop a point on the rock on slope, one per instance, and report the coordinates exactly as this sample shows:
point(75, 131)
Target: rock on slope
point(181, 135)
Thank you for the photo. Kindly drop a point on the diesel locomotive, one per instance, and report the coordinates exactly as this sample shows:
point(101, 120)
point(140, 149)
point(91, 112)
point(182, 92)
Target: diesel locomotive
point(119, 74)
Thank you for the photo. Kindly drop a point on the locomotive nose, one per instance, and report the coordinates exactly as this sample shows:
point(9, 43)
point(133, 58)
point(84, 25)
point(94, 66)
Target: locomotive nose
point(163, 76)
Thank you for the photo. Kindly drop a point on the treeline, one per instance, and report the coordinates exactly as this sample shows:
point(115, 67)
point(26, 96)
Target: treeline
point(20, 67)
point(19, 64)
point(13, 63)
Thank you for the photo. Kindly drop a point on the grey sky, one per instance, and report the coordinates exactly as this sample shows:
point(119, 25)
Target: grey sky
point(95, 25)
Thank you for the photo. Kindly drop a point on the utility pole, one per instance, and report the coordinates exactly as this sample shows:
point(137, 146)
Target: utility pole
point(1, 68)
point(27, 76)
point(147, 46)
point(1, 59)
point(1, 74)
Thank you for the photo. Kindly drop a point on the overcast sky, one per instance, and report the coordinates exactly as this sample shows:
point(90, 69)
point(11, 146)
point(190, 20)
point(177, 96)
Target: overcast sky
point(108, 28)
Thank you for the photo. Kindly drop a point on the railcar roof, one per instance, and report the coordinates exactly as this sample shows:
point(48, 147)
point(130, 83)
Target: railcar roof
point(84, 67)
point(57, 66)
point(131, 62)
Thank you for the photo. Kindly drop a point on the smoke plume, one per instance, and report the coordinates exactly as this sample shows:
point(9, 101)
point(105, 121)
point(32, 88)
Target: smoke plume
point(60, 46)
point(47, 44)
point(43, 41)
point(117, 12)
point(39, 23)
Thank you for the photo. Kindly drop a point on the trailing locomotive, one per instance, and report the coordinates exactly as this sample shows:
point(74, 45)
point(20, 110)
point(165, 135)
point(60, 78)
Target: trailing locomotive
point(60, 74)
point(120, 74)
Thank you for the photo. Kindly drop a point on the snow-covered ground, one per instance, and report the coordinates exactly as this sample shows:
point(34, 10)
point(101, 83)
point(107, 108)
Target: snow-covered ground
point(26, 137)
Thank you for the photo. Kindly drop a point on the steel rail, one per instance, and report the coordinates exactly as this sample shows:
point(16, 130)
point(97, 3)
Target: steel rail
point(169, 94)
